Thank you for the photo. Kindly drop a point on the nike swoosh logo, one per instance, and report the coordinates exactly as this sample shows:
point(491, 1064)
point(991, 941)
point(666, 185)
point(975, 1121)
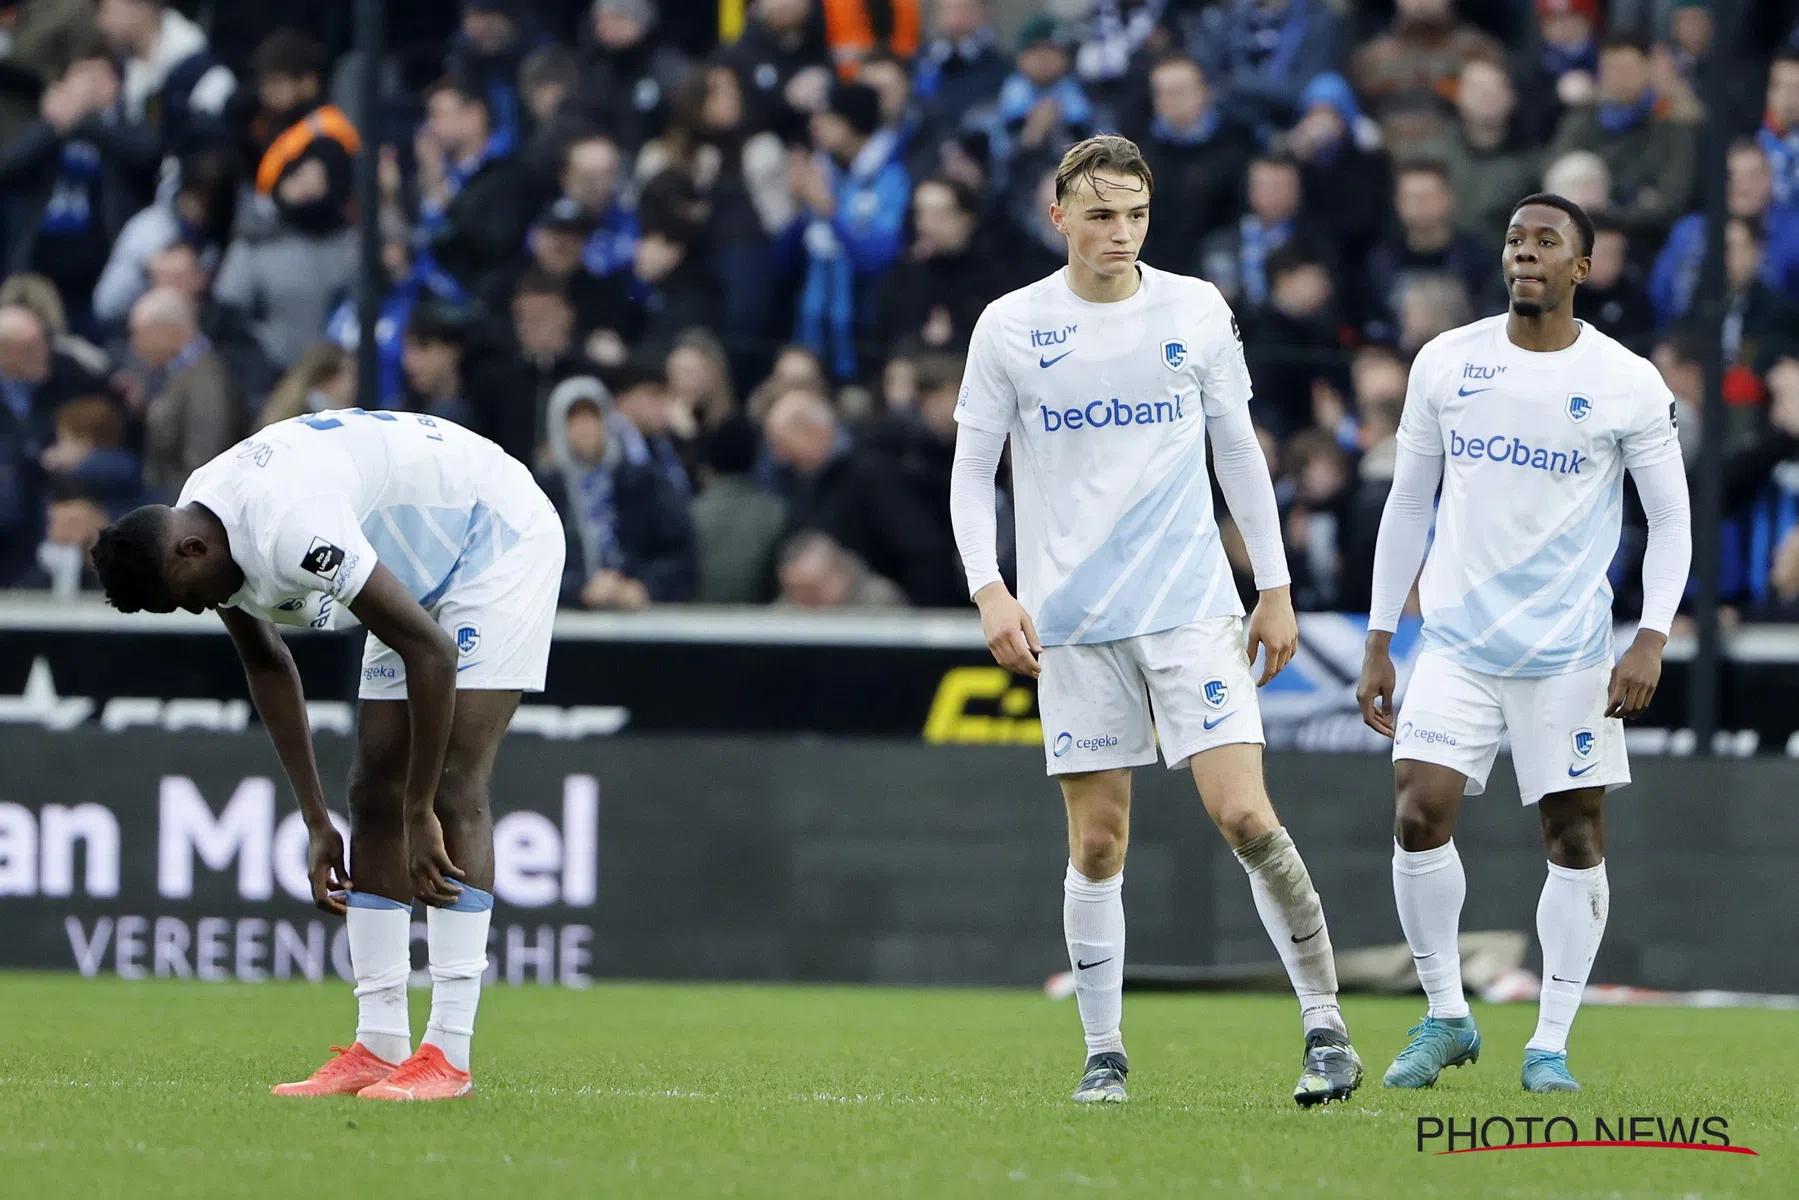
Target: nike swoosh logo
point(1475, 392)
point(1422, 957)
point(466, 666)
point(1308, 937)
point(1573, 774)
point(1211, 724)
point(1088, 966)
point(1559, 979)
point(1050, 362)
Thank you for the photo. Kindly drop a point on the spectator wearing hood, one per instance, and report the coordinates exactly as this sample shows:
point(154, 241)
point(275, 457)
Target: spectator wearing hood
point(1649, 151)
point(630, 535)
point(628, 76)
point(172, 79)
point(962, 67)
point(855, 192)
point(1489, 164)
point(1198, 156)
point(1042, 106)
point(73, 179)
point(1260, 54)
point(488, 51)
point(1419, 57)
point(198, 208)
point(1346, 188)
point(472, 207)
point(294, 258)
point(784, 65)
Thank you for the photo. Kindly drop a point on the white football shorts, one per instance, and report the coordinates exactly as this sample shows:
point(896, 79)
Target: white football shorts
point(1561, 739)
point(1104, 705)
point(501, 620)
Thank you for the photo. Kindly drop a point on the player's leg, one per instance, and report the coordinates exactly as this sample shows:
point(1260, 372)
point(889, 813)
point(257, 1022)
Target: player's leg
point(1096, 727)
point(1560, 735)
point(379, 920)
point(1208, 716)
point(456, 936)
point(1099, 830)
point(1447, 738)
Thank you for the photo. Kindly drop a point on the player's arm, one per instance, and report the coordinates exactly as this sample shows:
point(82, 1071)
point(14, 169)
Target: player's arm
point(1398, 553)
point(1242, 472)
point(1652, 455)
point(983, 416)
point(391, 614)
point(275, 689)
point(1243, 476)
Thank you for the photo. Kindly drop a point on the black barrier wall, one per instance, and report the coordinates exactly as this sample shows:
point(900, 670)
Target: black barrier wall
point(147, 853)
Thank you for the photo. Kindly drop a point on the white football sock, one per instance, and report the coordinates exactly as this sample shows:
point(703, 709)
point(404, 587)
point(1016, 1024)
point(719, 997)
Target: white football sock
point(1570, 923)
point(1093, 924)
point(457, 940)
point(1429, 887)
point(380, 933)
point(1294, 919)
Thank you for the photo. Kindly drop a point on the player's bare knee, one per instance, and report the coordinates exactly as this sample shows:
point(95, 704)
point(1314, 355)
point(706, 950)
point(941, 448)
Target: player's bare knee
point(377, 802)
point(1243, 819)
point(1421, 821)
point(1099, 851)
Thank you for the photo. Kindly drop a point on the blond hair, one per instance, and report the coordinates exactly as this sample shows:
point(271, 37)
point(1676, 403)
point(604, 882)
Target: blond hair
point(320, 364)
point(1104, 152)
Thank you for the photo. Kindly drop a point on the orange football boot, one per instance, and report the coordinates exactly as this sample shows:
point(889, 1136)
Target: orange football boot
point(352, 1070)
point(427, 1075)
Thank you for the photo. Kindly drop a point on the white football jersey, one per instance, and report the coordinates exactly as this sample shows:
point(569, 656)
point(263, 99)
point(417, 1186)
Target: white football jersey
point(312, 504)
point(1534, 451)
point(1106, 407)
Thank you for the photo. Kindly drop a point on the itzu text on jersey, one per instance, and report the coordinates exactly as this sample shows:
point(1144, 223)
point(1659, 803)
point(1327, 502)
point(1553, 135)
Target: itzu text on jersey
point(1106, 408)
point(1534, 450)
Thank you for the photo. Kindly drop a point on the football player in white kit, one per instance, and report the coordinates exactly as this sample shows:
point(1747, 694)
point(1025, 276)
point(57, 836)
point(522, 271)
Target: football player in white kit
point(449, 553)
point(1109, 377)
point(1529, 421)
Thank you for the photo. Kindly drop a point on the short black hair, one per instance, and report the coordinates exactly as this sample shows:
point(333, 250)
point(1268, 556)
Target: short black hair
point(1294, 255)
point(434, 325)
point(1626, 40)
point(1786, 54)
point(1576, 213)
point(1424, 166)
point(464, 89)
point(290, 53)
point(536, 281)
point(966, 198)
point(128, 560)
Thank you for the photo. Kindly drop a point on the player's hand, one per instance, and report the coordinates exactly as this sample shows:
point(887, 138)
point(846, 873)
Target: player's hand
point(1636, 676)
point(1009, 632)
point(1274, 628)
point(428, 864)
point(1374, 691)
point(326, 870)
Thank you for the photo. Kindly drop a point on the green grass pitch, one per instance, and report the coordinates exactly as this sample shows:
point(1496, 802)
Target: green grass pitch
point(160, 1089)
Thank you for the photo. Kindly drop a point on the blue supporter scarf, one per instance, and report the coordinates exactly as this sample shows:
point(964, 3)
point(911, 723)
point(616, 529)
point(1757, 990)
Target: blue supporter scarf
point(1559, 60)
point(613, 246)
point(70, 210)
point(433, 219)
point(599, 518)
point(1256, 243)
point(1199, 135)
point(1266, 41)
point(1621, 118)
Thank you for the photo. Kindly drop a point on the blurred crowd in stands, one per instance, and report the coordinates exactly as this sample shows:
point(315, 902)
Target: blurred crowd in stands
point(710, 269)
